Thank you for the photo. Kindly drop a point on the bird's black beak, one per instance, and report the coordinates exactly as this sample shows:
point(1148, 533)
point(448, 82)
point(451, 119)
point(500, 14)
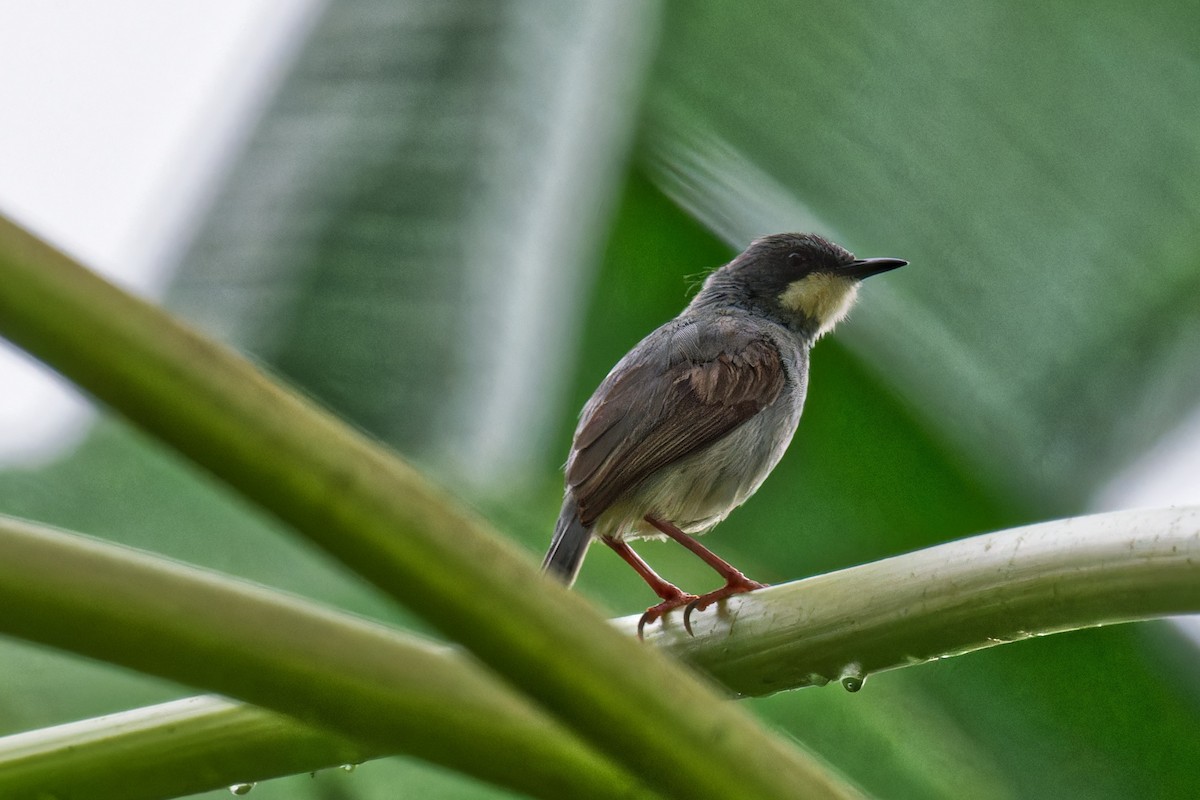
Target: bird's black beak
point(866, 267)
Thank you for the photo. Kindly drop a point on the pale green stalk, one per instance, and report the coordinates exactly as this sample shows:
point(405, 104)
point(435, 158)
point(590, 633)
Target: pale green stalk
point(947, 600)
point(167, 750)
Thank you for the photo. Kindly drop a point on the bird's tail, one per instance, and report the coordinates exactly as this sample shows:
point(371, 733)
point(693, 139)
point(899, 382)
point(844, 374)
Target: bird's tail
point(569, 546)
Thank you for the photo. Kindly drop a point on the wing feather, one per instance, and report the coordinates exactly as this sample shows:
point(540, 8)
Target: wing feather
point(667, 402)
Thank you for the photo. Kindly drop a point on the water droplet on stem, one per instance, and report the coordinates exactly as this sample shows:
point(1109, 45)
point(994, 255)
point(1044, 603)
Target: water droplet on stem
point(853, 677)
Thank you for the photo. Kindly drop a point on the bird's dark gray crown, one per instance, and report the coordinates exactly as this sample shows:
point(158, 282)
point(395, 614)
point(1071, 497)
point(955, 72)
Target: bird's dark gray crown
point(790, 255)
point(756, 278)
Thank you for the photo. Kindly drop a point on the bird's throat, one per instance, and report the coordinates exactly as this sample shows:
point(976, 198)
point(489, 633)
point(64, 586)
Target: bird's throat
point(822, 298)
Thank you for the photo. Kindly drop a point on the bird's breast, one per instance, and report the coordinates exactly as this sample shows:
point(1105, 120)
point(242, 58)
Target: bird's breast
point(697, 492)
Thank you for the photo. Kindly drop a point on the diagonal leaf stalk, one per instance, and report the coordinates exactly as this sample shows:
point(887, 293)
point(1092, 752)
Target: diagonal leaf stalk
point(385, 521)
point(934, 603)
point(385, 691)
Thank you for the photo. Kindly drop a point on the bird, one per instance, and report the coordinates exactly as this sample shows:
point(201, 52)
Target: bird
point(688, 425)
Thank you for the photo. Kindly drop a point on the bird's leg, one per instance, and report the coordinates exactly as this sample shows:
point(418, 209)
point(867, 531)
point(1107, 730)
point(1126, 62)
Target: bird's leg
point(735, 581)
point(730, 573)
point(672, 596)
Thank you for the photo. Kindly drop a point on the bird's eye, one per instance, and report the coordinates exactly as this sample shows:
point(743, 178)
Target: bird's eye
point(795, 260)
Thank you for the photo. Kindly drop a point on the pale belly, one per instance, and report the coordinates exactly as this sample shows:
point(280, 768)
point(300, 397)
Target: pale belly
point(698, 492)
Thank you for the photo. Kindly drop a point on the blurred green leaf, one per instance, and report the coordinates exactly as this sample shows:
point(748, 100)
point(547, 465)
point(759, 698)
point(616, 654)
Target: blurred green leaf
point(407, 232)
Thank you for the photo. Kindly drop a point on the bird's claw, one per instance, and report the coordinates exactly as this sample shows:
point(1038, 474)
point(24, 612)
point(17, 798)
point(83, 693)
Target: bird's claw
point(705, 600)
point(656, 612)
point(691, 602)
point(695, 605)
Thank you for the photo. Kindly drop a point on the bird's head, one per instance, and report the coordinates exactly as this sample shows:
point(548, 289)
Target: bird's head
point(801, 280)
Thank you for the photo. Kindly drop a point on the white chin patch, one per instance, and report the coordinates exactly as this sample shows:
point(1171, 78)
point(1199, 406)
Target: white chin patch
point(823, 298)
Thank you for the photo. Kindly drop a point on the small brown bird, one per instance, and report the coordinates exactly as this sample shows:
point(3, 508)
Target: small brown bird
point(692, 420)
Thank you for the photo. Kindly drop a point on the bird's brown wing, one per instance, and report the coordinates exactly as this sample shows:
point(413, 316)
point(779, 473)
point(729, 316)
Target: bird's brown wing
point(670, 398)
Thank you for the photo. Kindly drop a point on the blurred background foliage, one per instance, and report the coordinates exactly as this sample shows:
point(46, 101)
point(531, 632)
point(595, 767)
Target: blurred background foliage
point(454, 217)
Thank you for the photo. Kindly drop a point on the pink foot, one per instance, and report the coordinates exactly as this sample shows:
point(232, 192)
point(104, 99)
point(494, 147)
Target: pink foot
point(739, 585)
point(655, 612)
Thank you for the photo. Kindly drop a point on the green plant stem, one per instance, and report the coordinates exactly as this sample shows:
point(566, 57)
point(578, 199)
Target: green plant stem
point(946, 600)
point(167, 750)
point(386, 522)
point(934, 603)
point(391, 692)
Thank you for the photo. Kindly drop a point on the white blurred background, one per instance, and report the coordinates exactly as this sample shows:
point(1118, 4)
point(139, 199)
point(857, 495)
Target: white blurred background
point(118, 120)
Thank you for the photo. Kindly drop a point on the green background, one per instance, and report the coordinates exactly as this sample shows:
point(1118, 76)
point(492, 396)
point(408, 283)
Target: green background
point(452, 219)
